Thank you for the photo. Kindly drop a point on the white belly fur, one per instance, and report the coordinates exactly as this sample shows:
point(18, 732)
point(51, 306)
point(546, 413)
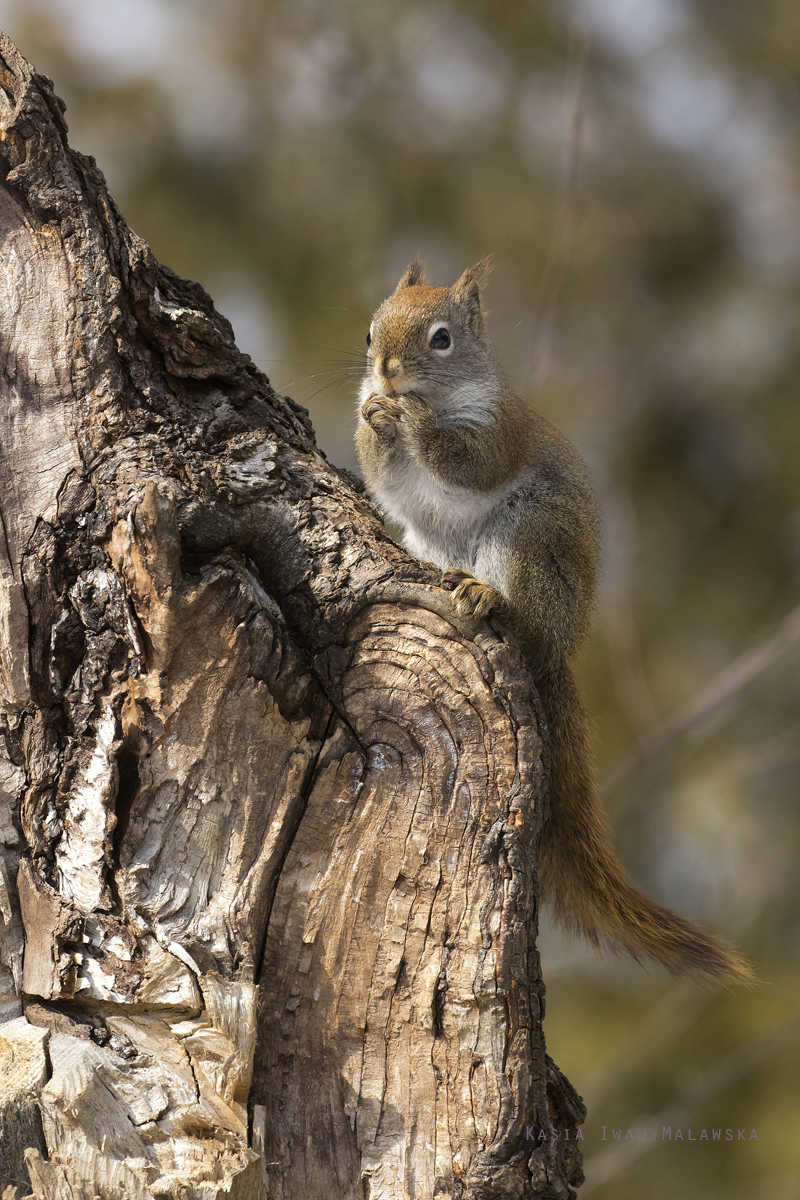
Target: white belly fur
point(446, 525)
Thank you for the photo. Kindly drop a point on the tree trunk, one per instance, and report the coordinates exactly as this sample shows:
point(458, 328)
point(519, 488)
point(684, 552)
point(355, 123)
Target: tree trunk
point(268, 806)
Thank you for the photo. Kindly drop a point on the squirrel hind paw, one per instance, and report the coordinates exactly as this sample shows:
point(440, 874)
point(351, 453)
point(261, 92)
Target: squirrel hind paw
point(471, 597)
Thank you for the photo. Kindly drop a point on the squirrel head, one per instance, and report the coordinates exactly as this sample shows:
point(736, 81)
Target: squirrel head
point(430, 340)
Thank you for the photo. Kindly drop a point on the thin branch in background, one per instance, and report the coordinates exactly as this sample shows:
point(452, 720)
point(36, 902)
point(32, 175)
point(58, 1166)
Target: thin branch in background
point(770, 754)
point(702, 716)
point(559, 251)
point(693, 1098)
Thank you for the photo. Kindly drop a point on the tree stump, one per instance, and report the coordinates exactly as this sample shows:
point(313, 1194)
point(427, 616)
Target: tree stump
point(269, 807)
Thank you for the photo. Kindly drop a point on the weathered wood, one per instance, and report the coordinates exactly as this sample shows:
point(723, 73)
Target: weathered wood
point(268, 805)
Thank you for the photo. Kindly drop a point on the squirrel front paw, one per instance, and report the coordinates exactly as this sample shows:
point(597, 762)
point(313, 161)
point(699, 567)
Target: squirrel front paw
point(471, 597)
point(382, 414)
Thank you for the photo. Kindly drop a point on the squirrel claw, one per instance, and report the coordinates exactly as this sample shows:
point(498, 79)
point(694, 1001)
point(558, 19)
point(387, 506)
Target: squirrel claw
point(452, 577)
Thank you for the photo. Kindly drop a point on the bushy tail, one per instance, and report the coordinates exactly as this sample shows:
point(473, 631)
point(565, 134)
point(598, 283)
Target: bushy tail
point(580, 874)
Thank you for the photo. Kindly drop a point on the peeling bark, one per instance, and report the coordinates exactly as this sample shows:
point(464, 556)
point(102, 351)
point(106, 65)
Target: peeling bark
point(268, 805)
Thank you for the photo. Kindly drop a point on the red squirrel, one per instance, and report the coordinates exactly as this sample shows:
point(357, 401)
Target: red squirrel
point(494, 495)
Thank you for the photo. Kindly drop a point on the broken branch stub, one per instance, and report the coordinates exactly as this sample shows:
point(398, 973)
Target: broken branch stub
point(268, 806)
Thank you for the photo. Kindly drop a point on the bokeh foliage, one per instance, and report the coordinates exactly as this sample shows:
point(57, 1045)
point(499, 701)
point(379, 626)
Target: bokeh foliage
point(292, 156)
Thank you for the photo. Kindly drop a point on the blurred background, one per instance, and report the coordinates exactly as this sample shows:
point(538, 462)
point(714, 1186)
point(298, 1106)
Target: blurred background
point(633, 165)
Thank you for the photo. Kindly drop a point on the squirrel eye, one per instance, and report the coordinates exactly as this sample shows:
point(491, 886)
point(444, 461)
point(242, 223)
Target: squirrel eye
point(440, 340)
point(369, 338)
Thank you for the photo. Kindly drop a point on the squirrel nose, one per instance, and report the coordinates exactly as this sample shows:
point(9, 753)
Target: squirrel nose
point(388, 368)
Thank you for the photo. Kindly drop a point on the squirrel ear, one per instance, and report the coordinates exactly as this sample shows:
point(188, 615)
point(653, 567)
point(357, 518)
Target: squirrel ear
point(467, 291)
point(414, 274)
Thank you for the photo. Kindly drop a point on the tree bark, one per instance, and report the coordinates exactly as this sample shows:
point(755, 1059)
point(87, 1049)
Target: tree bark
point(268, 805)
